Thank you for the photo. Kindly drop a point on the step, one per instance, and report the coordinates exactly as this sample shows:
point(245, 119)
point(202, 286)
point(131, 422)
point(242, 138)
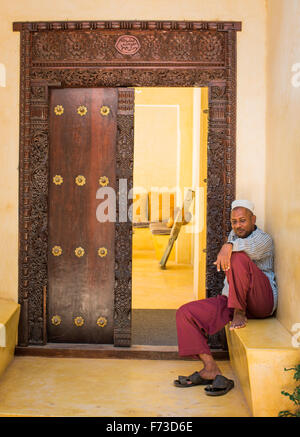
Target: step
point(259, 353)
point(9, 319)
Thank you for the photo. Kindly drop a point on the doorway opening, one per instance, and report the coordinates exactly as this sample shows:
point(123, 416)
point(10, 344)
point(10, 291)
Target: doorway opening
point(168, 261)
point(48, 60)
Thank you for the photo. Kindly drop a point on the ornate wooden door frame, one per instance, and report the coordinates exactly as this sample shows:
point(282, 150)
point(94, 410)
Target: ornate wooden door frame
point(119, 54)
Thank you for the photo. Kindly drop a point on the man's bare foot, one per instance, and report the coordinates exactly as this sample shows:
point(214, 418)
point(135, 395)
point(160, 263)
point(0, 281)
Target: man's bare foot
point(210, 372)
point(210, 369)
point(239, 320)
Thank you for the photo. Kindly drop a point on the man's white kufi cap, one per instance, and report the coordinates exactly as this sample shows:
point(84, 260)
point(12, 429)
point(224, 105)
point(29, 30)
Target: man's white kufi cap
point(244, 204)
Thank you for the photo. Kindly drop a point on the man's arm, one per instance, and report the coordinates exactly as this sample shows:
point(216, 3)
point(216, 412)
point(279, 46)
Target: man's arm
point(257, 246)
point(223, 258)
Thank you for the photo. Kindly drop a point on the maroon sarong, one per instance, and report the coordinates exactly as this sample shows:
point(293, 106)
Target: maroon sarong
point(249, 290)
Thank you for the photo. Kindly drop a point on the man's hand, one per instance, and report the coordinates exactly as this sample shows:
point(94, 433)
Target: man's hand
point(223, 258)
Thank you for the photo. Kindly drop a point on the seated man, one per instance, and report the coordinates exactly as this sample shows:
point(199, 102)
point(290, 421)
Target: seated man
point(250, 291)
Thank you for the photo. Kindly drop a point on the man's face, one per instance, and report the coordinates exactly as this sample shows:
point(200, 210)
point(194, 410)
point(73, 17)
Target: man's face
point(242, 222)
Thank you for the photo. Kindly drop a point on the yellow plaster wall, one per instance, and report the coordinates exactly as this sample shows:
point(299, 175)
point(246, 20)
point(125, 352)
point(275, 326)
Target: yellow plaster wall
point(157, 113)
point(163, 147)
point(283, 153)
point(251, 83)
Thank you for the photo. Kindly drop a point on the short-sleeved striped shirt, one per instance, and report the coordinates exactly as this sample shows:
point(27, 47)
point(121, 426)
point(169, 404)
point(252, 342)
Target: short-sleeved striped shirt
point(260, 249)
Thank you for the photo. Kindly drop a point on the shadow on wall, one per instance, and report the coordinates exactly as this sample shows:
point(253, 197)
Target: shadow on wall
point(2, 76)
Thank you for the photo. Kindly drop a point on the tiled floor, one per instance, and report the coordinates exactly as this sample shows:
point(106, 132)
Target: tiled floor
point(76, 387)
point(153, 288)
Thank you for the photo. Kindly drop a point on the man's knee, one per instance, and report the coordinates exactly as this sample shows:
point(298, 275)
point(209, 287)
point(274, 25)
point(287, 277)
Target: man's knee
point(197, 309)
point(182, 311)
point(239, 259)
point(185, 312)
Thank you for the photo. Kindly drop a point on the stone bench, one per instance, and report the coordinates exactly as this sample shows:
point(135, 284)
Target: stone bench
point(9, 319)
point(259, 353)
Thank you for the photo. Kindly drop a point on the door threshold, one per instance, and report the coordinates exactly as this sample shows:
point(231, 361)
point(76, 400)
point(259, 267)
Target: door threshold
point(141, 352)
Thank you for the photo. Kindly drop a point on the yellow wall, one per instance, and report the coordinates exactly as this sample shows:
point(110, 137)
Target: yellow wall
point(163, 147)
point(251, 83)
point(156, 132)
point(283, 153)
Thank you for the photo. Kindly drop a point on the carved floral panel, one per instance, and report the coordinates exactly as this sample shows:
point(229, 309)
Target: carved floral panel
point(200, 47)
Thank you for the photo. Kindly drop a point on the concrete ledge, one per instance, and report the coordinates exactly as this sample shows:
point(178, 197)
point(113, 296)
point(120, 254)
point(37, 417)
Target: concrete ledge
point(9, 319)
point(258, 354)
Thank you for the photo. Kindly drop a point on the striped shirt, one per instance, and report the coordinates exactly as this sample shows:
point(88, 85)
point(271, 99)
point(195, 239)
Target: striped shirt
point(260, 249)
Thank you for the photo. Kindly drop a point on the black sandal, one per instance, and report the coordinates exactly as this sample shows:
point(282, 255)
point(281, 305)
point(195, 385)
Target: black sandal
point(192, 380)
point(220, 386)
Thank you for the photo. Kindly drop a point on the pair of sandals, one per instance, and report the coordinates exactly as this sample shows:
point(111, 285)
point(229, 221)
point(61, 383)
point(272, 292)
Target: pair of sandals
point(215, 387)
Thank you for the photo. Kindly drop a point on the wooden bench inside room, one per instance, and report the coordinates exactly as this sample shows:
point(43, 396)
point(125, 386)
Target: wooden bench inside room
point(164, 221)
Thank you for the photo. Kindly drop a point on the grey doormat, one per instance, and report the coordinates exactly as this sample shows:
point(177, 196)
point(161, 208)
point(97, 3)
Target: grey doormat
point(154, 327)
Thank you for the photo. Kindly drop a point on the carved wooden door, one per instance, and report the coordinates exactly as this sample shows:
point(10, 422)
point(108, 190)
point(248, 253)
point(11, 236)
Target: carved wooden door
point(81, 256)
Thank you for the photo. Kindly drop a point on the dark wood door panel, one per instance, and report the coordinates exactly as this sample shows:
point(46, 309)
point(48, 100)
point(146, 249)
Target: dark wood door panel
point(81, 249)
